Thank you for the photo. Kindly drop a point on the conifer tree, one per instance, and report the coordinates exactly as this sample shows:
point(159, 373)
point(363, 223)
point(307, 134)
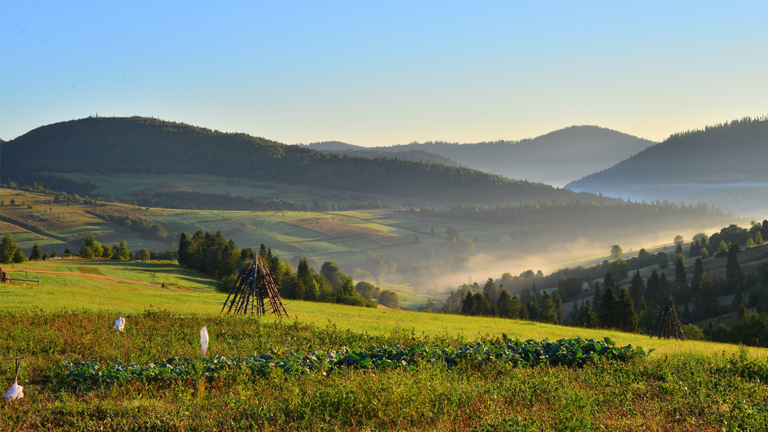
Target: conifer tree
point(468, 304)
point(608, 280)
point(548, 314)
point(586, 318)
point(636, 287)
point(627, 318)
point(558, 307)
point(35, 254)
point(521, 311)
point(597, 295)
point(481, 307)
point(504, 305)
point(607, 309)
point(681, 283)
point(732, 267)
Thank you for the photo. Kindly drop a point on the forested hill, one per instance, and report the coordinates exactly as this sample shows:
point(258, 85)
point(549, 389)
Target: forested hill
point(726, 153)
point(144, 145)
point(412, 155)
point(331, 146)
point(555, 158)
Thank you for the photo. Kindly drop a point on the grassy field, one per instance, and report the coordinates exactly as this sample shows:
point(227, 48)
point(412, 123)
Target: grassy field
point(81, 285)
point(681, 386)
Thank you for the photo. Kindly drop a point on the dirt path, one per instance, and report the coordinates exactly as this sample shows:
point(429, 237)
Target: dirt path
point(93, 276)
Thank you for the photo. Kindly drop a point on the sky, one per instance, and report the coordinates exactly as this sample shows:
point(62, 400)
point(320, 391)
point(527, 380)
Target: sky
point(383, 73)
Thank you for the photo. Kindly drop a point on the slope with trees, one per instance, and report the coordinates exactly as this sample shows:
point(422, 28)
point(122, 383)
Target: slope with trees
point(144, 145)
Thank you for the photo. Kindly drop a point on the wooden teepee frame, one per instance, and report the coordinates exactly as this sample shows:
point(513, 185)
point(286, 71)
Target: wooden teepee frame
point(668, 324)
point(252, 286)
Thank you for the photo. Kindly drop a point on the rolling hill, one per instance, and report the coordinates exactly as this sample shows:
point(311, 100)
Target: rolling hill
point(383, 152)
point(555, 158)
point(145, 145)
point(723, 164)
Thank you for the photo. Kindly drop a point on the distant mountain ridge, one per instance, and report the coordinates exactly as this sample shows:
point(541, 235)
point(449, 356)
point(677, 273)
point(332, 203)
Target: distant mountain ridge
point(145, 145)
point(724, 165)
point(554, 158)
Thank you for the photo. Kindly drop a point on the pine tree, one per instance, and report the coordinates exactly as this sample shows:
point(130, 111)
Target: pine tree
point(468, 304)
point(597, 295)
point(480, 306)
point(35, 254)
point(636, 287)
point(607, 309)
point(558, 307)
point(53, 253)
point(490, 291)
point(759, 238)
point(521, 312)
point(586, 318)
point(698, 272)
point(653, 293)
point(732, 267)
point(681, 283)
point(548, 314)
point(608, 280)
point(504, 305)
point(742, 314)
point(627, 318)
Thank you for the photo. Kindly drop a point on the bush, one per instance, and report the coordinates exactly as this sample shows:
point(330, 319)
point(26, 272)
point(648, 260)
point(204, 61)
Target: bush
point(226, 283)
point(389, 298)
point(693, 332)
point(359, 302)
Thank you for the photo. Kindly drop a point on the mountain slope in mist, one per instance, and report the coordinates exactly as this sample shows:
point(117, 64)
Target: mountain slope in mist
point(555, 158)
point(724, 165)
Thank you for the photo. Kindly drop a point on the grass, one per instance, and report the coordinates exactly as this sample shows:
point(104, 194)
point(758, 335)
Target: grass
point(681, 386)
point(192, 292)
point(697, 390)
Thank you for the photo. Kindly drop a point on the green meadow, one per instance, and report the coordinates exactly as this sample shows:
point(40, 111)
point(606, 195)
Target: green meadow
point(682, 385)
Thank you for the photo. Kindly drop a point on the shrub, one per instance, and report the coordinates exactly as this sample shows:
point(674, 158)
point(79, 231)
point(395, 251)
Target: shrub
point(693, 332)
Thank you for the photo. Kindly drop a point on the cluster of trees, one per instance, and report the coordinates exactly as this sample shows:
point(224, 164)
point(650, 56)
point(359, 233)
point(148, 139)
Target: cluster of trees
point(93, 249)
point(216, 256)
point(143, 226)
point(491, 300)
point(62, 188)
point(90, 249)
point(9, 252)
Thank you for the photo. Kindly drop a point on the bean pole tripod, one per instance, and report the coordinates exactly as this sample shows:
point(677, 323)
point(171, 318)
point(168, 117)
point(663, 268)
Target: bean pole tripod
point(668, 324)
point(253, 285)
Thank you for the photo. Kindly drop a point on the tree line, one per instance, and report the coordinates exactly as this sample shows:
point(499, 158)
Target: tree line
point(216, 256)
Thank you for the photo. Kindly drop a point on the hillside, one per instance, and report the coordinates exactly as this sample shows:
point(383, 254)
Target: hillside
point(722, 164)
point(144, 145)
point(384, 152)
point(555, 158)
point(412, 155)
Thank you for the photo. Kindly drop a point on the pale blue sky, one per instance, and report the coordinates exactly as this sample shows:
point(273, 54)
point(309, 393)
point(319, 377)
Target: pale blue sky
point(387, 72)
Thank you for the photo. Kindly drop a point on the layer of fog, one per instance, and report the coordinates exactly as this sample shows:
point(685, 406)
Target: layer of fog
point(553, 256)
point(746, 198)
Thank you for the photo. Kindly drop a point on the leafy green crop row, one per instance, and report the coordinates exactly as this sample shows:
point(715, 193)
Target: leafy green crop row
point(565, 352)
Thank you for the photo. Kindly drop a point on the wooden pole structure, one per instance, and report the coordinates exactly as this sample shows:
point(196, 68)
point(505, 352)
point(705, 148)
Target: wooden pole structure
point(668, 323)
point(254, 285)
